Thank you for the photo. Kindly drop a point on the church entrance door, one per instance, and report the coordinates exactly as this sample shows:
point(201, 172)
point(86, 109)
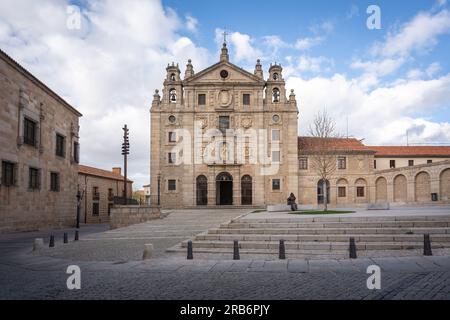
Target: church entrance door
point(224, 189)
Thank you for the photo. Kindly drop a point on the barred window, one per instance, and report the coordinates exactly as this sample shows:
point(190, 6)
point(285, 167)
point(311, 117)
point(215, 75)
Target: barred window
point(275, 156)
point(8, 173)
point(303, 163)
point(172, 185)
point(172, 157)
point(276, 185)
point(342, 192)
point(342, 163)
point(29, 132)
point(360, 192)
point(276, 135)
point(172, 137)
point(246, 99)
point(95, 209)
point(202, 99)
point(60, 146)
point(34, 179)
point(224, 123)
point(410, 163)
point(54, 181)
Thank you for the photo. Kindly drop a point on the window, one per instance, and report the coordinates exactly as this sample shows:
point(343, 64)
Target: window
point(360, 192)
point(342, 192)
point(76, 152)
point(246, 99)
point(410, 163)
point(342, 163)
point(275, 76)
point(172, 119)
point(95, 209)
point(224, 123)
point(303, 163)
point(172, 137)
point(110, 194)
point(34, 179)
point(172, 185)
point(275, 156)
point(392, 164)
point(60, 145)
point(275, 135)
point(173, 77)
point(8, 174)
point(172, 157)
point(202, 99)
point(173, 95)
point(275, 95)
point(374, 164)
point(429, 161)
point(54, 181)
point(29, 132)
point(276, 185)
point(276, 118)
point(95, 193)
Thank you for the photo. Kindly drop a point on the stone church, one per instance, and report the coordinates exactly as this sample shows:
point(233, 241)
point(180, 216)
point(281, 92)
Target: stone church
point(228, 137)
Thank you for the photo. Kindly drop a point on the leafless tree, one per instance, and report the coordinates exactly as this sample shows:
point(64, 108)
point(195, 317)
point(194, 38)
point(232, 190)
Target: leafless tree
point(323, 150)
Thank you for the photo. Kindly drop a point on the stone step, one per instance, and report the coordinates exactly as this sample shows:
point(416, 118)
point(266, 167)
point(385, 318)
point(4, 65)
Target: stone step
point(329, 231)
point(306, 219)
point(291, 225)
point(331, 246)
point(323, 238)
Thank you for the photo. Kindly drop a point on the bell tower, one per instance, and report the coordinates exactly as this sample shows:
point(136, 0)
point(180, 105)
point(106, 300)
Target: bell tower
point(173, 86)
point(275, 87)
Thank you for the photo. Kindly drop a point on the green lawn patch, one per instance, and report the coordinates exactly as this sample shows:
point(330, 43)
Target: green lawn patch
point(259, 210)
point(320, 212)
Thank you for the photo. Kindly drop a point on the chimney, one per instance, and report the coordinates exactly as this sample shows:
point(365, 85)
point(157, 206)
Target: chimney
point(117, 170)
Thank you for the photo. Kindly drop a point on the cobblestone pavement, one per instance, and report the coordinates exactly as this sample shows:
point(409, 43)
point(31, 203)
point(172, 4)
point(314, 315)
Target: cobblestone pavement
point(107, 274)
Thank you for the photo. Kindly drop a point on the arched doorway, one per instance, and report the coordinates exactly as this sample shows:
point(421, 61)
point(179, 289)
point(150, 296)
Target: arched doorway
point(224, 189)
point(444, 185)
point(400, 188)
point(202, 190)
point(422, 187)
point(321, 193)
point(246, 190)
point(381, 190)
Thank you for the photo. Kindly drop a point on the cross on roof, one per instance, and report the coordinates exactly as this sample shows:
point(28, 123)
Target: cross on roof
point(225, 33)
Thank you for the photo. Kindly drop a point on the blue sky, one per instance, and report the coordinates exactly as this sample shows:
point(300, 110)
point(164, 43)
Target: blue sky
point(386, 82)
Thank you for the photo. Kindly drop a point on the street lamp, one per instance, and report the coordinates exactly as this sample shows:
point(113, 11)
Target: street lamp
point(159, 189)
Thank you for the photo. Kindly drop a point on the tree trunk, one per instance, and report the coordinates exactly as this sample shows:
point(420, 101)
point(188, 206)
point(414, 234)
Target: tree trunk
point(325, 195)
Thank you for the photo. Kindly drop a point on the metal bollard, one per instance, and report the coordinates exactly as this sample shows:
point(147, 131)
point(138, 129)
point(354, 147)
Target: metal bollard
point(66, 240)
point(190, 253)
point(427, 245)
point(77, 236)
point(236, 255)
point(352, 248)
point(52, 241)
point(282, 250)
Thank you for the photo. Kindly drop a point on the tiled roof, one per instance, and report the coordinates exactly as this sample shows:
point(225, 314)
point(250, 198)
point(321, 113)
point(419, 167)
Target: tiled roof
point(423, 151)
point(91, 171)
point(338, 144)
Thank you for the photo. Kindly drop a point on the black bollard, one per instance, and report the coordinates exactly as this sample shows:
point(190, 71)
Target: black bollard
point(236, 250)
point(77, 236)
point(190, 254)
point(282, 251)
point(427, 245)
point(66, 240)
point(352, 248)
point(52, 241)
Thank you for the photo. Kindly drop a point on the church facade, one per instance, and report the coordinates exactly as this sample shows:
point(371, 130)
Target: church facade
point(228, 137)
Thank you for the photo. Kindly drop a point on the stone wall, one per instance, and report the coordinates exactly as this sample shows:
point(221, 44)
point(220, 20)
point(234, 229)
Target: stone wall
point(123, 216)
point(21, 208)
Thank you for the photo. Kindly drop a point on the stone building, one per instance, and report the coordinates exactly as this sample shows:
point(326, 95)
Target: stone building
point(99, 188)
point(39, 152)
point(228, 137)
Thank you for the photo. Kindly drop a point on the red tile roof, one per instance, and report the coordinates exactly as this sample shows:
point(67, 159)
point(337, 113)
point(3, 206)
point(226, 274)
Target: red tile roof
point(91, 171)
point(338, 144)
point(422, 151)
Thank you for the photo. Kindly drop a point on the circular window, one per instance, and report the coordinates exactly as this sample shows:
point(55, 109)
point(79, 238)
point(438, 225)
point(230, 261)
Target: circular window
point(172, 119)
point(276, 118)
point(224, 74)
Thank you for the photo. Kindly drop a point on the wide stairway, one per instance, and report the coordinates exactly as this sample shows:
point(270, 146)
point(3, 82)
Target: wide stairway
point(324, 237)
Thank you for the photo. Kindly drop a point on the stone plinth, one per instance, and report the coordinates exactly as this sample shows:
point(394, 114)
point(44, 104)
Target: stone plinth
point(123, 216)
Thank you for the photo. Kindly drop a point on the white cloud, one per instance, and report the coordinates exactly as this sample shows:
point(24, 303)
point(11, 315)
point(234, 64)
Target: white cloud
point(386, 112)
point(242, 47)
point(308, 43)
point(433, 69)
point(191, 23)
point(313, 64)
point(108, 70)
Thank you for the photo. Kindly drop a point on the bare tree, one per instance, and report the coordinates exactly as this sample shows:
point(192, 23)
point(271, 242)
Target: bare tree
point(323, 151)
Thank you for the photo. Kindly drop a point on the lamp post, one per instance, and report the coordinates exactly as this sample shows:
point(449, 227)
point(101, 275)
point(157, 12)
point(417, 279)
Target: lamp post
point(125, 152)
point(78, 208)
point(159, 189)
